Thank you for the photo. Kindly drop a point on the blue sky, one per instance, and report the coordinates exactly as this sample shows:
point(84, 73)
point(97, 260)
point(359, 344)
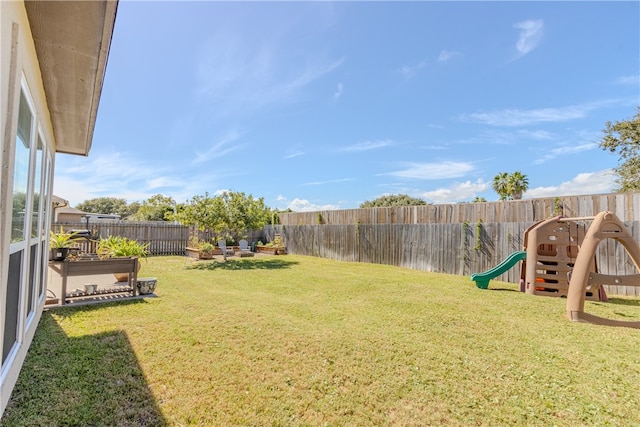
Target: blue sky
point(324, 105)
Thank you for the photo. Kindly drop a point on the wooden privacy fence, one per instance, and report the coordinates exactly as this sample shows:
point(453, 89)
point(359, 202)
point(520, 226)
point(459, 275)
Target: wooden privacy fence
point(455, 239)
point(163, 238)
point(210, 236)
point(461, 239)
point(626, 206)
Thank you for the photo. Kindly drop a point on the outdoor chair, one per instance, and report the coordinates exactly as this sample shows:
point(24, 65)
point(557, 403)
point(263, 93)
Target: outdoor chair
point(225, 251)
point(244, 248)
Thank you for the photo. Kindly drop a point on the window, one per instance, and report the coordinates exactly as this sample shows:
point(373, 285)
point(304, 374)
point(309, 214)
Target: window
point(26, 279)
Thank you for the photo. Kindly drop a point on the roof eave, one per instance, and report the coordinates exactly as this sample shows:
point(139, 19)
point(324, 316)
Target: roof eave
point(72, 41)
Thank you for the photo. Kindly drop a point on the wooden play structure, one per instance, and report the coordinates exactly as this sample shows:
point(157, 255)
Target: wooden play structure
point(605, 226)
point(552, 249)
point(561, 261)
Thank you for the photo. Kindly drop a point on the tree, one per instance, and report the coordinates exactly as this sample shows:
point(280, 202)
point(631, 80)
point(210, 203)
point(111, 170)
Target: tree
point(623, 138)
point(501, 185)
point(392, 200)
point(510, 186)
point(131, 210)
point(518, 183)
point(155, 208)
point(105, 205)
point(479, 200)
point(228, 214)
point(242, 212)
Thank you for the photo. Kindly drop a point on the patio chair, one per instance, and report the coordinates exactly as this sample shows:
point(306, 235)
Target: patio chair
point(225, 251)
point(244, 248)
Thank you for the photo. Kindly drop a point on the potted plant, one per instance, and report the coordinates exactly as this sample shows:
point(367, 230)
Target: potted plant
point(59, 244)
point(118, 246)
point(206, 250)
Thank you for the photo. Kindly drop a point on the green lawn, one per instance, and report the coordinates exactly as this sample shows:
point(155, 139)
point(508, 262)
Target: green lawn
point(292, 340)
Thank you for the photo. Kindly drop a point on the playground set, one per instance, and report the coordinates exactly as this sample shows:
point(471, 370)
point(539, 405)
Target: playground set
point(559, 259)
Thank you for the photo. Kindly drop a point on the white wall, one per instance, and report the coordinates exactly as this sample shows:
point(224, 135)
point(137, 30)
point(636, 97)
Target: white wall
point(20, 72)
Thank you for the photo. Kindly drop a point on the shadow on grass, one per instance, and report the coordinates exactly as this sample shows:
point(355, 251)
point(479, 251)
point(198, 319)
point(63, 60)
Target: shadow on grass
point(86, 380)
point(625, 301)
point(504, 289)
point(243, 264)
point(69, 310)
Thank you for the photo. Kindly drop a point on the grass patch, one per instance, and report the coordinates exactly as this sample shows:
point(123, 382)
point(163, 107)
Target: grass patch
point(307, 341)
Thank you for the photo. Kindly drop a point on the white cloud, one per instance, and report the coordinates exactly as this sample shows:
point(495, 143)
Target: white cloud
point(107, 174)
point(434, 147)
point(160, 182)
point(584, 183)
point(78, 191)
point(463, 191)
point(541, 135)
point(338, 93)
point(296, 154)
point(104, 166)
point(408, 71)
point(368, 145)
point(489, 136)
point(629, 80)
point(74, 190)
point(303, 205)
point(441, 170)
point(239, 76)
point(561, 151)
point(530, 35)
point(446, 55)
point(330, 181)
point(520, 117)
point(133, 178)
point(516, 117)
point(312, 71)
point(220, 148)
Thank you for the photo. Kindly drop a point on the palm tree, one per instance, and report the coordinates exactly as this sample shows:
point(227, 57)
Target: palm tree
point(518, 183)
point(501, 185)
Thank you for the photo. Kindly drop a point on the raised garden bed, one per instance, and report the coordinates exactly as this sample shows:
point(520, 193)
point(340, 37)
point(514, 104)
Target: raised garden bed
point(195, 253)
point(273, 250)
point(90, 267)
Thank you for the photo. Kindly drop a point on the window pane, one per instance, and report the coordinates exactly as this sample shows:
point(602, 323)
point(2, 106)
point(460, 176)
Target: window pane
point(46, 211)
point(37, 182)
point(21, 172)
point(24, 121)
point(12, 299)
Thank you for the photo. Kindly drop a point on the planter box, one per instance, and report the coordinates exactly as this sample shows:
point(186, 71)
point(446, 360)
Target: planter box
point(273, 250)
point(90, 267)
point(195, 253)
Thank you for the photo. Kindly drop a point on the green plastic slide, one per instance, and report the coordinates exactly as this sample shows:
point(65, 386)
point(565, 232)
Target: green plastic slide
point(482, 279)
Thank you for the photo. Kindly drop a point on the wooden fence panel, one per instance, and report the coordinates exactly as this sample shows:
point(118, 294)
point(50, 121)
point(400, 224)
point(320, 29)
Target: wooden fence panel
point(460, 249)
point(162, 238)
point(457, 239)
point(625, 205)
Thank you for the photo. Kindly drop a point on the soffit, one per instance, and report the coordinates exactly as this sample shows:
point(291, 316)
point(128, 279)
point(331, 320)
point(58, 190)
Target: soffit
point(72, 40)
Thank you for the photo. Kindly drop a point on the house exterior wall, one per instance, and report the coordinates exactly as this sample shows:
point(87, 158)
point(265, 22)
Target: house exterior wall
point(70, 216)
point(26, 171)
